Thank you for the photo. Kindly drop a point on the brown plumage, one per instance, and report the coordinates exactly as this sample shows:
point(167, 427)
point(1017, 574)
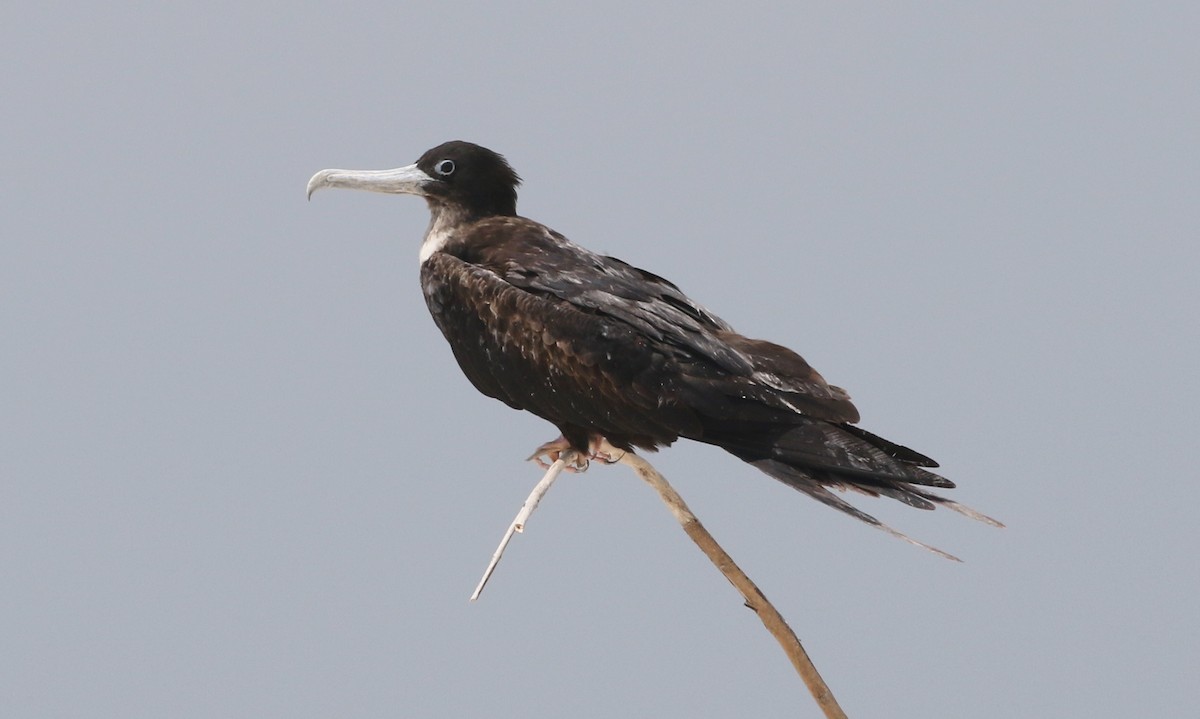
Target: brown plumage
point(599, 347)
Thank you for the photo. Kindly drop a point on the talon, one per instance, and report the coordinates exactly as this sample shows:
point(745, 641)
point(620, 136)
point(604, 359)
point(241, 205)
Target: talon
point(555, 450)
point(602, 451)
point(552, 450)
point(578, 464)
point(607, 457)
point(598, 449)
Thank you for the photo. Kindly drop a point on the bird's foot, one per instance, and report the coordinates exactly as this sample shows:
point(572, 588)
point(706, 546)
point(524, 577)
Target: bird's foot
point(556, 449)
point(598, 449)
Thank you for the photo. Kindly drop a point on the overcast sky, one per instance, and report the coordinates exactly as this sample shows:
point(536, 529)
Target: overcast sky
point(241, 475)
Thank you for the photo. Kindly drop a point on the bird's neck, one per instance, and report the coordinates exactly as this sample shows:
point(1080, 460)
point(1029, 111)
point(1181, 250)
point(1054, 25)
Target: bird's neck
point(444, 221)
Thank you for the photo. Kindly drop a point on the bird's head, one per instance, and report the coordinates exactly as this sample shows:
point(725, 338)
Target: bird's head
point(474, 179)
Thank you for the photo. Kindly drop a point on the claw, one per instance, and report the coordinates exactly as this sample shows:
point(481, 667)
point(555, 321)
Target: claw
point(603, 456)
point(598, 449)
point(556, 449)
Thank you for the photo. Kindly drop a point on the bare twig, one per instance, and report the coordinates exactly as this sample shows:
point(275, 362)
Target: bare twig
point(770, 617)
point(518, 524)
point(754, 598)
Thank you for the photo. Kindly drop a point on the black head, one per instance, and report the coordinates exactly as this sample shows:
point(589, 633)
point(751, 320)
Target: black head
point(470, 180)
point(472, 177)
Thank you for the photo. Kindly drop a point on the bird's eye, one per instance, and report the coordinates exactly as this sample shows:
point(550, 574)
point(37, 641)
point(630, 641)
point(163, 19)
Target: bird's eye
point(444, 168)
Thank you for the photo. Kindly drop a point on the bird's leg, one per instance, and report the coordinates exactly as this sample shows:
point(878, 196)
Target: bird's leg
point(556, 448)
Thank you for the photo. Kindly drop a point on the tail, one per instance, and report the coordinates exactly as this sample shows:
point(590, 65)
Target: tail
point(815, 456)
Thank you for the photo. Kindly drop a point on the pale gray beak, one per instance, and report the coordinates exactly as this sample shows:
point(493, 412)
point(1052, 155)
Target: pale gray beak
point(408, 180)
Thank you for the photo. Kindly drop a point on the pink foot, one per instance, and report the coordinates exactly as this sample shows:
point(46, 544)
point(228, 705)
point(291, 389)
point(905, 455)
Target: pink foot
point(553, 450)
point(602, 455)
point(598, 449)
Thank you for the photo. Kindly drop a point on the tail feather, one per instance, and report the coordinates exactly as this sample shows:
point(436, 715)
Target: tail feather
point(960, 508)
point(908, 496)
point(819, 445)
point(814, 488)
point(896, 451)
point(815, 456)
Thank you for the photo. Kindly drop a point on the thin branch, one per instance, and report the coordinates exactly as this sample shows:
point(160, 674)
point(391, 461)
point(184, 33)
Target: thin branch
point(770, 617)
point(754, 598)
point(518, 524)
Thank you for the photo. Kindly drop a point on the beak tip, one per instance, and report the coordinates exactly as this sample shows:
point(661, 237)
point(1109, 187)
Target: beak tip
point(315, 183)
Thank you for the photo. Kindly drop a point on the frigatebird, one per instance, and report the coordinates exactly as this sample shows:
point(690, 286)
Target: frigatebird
point(605, 350)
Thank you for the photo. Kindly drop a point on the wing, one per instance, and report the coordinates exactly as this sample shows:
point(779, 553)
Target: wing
point(723, 373)
point(582, 371)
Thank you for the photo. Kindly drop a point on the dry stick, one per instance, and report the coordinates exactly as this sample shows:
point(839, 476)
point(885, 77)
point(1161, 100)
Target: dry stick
point(518, 524)
point(770, 617)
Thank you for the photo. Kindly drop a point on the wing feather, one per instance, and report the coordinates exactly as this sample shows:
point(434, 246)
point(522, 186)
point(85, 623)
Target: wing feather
point(534, 258)
point(546, 356)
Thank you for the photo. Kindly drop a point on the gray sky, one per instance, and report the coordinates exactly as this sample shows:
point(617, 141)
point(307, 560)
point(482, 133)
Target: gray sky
point(242, 476)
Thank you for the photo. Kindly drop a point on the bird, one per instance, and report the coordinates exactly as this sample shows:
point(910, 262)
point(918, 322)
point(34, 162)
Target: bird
point(606, 351)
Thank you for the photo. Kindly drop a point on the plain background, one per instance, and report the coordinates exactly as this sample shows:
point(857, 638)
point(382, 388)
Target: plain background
point(242, 476)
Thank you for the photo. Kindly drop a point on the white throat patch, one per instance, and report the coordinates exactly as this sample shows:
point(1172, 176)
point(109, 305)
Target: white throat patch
point(435, 239)
point(441, 225)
